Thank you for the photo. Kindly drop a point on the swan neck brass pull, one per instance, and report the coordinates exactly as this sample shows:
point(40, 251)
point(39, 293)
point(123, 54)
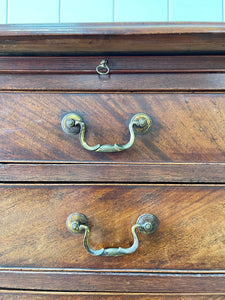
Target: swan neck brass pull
point(77, 223)
point(73, 124)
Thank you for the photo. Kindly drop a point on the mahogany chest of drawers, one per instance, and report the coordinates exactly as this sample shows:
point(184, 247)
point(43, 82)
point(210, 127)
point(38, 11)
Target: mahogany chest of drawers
point(112, 161)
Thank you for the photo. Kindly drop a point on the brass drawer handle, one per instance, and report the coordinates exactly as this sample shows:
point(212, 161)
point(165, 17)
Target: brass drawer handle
point(72, 121)
point(77, 223)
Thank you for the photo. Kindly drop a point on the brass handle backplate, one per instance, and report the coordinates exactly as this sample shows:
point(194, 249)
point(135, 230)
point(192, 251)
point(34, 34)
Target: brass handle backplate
point(77, 223)
point(73, 124)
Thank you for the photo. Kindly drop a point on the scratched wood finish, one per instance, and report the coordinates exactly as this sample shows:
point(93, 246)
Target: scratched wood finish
point(29, 295)
point(112, 38)
point(186, 128)
point(191, 233)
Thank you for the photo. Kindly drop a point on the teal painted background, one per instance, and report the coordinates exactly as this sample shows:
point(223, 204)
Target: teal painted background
point(63, 11)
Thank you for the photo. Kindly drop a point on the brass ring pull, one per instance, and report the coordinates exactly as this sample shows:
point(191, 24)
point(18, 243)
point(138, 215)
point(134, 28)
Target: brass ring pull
point(77, 223)
point(103, 68)
point(71, 123)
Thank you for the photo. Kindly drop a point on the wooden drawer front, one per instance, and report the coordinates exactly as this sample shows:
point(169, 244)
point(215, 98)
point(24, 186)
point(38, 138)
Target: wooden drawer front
point(191, 233)
point(186, 128)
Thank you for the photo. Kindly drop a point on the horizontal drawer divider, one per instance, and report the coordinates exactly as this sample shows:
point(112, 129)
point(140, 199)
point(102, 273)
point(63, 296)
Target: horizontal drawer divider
point(147, 271)
point(68, 280)
point(103, 295)
point(113, 172)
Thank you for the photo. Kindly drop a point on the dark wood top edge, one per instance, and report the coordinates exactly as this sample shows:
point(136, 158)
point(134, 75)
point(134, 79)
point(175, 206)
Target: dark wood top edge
point(112, 38)
point(111, 28)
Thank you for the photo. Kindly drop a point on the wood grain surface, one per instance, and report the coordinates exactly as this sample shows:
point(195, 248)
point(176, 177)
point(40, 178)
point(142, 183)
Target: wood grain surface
point(66, 280)
point(143, 82)
point(28, 295)
point(190, 235)
point(113, 172)
point(186, 128)
point(112, 38)
point(117, 64)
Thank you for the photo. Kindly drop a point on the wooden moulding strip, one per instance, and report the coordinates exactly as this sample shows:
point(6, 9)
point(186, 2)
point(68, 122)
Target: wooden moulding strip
point(29, 295)
point(113, 281)
point(113, 172)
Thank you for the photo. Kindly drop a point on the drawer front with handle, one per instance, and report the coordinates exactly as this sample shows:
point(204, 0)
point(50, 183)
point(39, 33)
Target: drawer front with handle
point(179, 128)
point(190, 233)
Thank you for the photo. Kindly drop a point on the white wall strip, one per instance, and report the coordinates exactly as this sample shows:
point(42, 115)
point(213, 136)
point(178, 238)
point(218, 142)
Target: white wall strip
point(7, 11)
point(169, 10)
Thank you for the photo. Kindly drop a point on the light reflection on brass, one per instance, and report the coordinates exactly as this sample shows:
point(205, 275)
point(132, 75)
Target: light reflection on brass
point(77, 223)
